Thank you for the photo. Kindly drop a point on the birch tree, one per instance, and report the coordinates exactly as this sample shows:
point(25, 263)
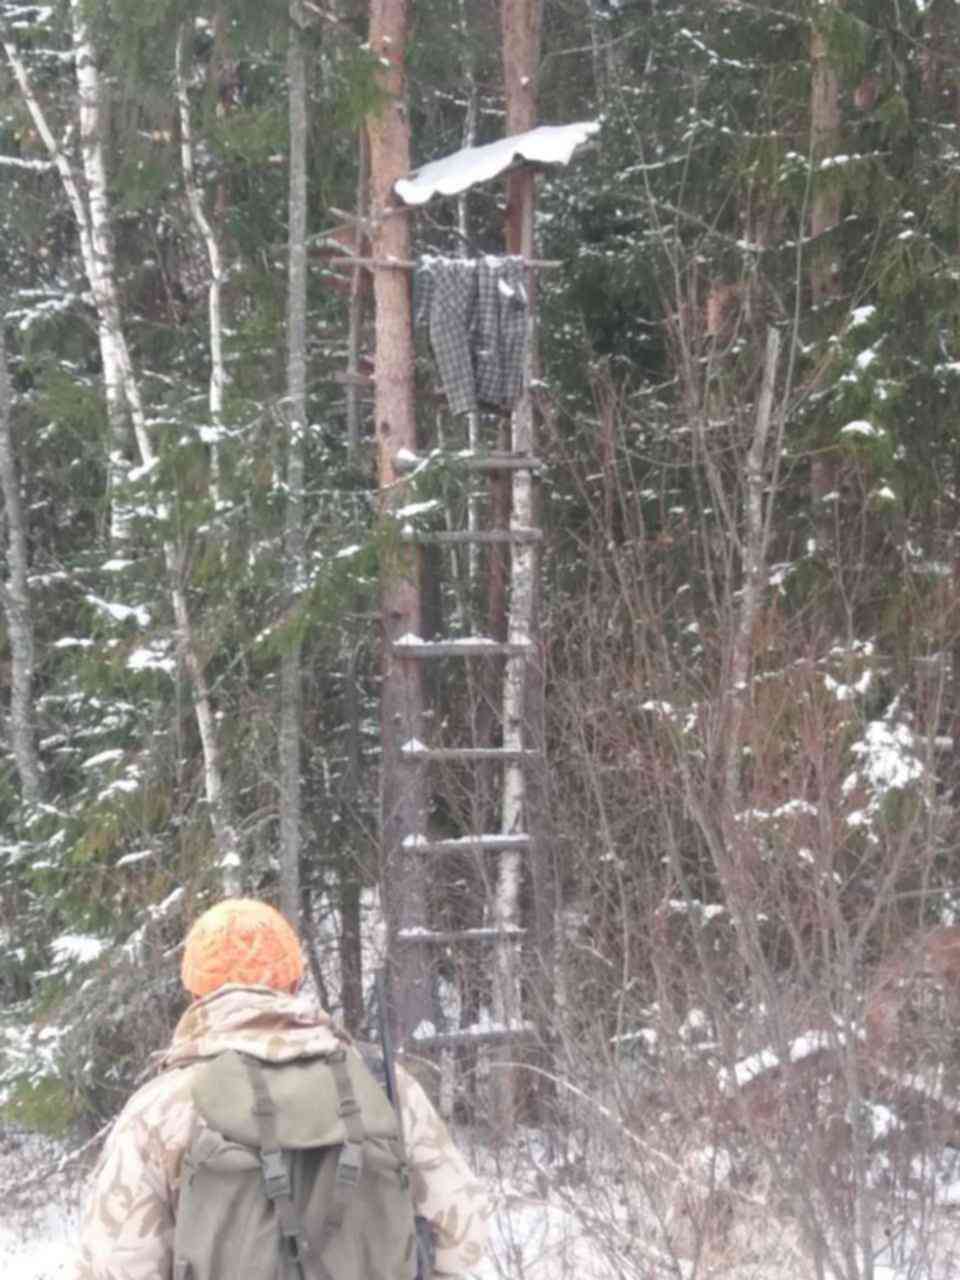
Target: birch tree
point(87, 191)
point(520, 32)
point(211, 243)
point(15, 597)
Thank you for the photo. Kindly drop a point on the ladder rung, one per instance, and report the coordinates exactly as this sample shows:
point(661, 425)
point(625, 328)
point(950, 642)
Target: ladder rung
point(493, 461)
point(503, 754)
point(464, 1039)
point(469, 844)
point(458, 536)
point(477, 647)
point(444, 937)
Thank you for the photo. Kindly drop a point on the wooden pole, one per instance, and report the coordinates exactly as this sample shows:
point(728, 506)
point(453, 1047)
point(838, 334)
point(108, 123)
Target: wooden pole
point(402, 793)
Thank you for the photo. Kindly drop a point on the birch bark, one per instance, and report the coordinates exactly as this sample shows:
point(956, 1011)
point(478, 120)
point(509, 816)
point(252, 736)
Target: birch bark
point(118, 368)
point(468, 138)
point(90, 205)
point(93, 249)
point(15, 597)
point(520, 29)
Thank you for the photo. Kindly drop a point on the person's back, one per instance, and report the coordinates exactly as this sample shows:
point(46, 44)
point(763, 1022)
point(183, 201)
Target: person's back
point(244, 976)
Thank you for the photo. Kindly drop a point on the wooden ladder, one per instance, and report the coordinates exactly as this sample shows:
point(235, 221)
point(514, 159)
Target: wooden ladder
point(520, 750)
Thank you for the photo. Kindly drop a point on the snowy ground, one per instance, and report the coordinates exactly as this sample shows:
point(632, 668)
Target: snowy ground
point(532, 1239)
point(556, 1235)
point(37, 1228)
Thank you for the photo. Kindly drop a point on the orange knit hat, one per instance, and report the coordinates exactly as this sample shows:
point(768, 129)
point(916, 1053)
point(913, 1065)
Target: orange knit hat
point(241, 940)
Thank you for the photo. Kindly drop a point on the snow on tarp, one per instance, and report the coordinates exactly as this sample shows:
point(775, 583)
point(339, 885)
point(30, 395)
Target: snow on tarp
point(548, 144)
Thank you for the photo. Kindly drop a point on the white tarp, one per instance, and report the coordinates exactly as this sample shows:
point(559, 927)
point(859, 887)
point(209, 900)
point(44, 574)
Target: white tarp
point(548, 144)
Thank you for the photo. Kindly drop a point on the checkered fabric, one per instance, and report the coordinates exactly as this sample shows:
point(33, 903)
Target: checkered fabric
point(476, 309)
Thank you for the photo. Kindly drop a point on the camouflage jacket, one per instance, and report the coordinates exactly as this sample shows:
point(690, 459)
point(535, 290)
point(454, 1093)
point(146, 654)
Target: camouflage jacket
point(126, 1230)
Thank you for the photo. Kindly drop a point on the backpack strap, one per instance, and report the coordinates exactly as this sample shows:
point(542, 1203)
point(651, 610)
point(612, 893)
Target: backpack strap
point(350, 1159)
point(276, 1174)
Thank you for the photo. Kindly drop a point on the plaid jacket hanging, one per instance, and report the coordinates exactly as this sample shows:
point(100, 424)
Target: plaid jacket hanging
point(476, 309)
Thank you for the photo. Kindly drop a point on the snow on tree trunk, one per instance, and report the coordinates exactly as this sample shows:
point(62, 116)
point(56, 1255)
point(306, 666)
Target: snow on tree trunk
point(15, 597)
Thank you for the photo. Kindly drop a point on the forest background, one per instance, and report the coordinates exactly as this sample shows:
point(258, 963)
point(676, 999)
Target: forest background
point(747, 415)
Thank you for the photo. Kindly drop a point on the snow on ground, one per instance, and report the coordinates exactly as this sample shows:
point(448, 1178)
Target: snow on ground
point(39, 1250)
point(36, 1231)
point(562, 1237)
point(529, 1240)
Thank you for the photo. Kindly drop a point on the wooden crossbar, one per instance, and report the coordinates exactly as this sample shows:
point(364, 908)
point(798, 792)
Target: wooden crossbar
point(399, 264)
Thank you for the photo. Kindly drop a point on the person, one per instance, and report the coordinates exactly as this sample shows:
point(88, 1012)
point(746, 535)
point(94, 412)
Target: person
point(243, 965)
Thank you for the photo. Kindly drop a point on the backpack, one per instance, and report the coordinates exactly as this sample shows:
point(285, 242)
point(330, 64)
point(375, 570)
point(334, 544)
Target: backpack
point(298, 1173)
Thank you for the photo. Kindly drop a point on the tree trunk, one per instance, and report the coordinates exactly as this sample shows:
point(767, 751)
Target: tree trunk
point(218, 373)
point(402, 798)
point(357, 298)
point(824, 273)
point(100, 258)
point(520, 27)
point(296, 406)
point(754, 541)
point(15, 597)
point(351, 866)
point(737, 856)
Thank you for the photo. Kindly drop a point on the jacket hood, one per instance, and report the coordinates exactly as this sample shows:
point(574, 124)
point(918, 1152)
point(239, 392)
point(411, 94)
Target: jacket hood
point(264, 1023)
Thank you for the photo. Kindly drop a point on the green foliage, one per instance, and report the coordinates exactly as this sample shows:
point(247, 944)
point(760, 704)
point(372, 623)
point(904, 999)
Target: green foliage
point(41, 1105)
point(848, 39)
point(358, 89)
point(252, 137)
point(112, 1028)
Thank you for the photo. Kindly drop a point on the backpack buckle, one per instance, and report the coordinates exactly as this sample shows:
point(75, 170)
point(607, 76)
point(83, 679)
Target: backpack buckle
point(295, 1246)
point(349, 1164)
point(276, 1179)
